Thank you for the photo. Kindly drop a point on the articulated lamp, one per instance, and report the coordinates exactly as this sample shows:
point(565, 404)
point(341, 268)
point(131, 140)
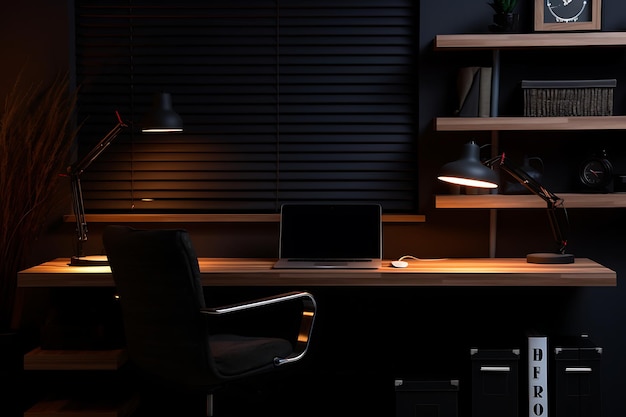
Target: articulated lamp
point(75, 172)
point(161, 119)
point(470, 171)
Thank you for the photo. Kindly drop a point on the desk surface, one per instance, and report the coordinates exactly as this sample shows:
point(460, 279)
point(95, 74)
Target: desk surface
point(259, 272)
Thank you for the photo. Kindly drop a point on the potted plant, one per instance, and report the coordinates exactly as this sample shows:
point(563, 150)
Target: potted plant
point(504, 18)
point(37, 130)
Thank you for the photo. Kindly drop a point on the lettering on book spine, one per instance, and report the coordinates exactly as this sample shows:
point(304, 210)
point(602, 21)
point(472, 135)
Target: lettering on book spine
point(537, 376)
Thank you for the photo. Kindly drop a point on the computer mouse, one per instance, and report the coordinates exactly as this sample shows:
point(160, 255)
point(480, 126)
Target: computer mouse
point(399, 264)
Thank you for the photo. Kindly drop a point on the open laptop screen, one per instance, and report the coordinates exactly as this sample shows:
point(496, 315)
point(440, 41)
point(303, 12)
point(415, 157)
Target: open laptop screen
point(331, 231)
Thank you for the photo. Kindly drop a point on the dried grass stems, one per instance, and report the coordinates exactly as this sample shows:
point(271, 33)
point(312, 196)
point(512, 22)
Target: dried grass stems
point(36, 135)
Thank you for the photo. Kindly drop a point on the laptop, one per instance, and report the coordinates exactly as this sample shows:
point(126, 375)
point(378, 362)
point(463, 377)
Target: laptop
point(330, 236)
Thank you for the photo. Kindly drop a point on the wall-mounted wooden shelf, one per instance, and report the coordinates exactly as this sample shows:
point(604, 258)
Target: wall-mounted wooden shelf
point(463, 124)
point(530, 40)
point(66, 407)
point(500, 201)
point(496, 42)
point(79, 360)
point(71, 360)
point(216, 218)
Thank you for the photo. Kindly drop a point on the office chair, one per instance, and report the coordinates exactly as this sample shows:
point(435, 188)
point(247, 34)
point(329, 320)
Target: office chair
point(167, 325)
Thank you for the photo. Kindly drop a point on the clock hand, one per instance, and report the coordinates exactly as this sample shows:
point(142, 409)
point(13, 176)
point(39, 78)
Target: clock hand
point(566, 2)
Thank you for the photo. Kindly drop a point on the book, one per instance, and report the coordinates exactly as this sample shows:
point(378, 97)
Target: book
point(537, 376)
point(484, 92)
point(474, 92)
point(468, 80)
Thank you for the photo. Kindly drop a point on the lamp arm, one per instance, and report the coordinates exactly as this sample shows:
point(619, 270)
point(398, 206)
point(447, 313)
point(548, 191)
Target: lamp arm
point(76, 170)
point(553, 201)
point(94, 153)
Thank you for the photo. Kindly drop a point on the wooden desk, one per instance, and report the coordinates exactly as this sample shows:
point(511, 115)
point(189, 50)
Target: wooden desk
point(258, 272)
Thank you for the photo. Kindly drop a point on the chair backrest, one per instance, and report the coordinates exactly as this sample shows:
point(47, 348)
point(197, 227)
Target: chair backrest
point(157, 277)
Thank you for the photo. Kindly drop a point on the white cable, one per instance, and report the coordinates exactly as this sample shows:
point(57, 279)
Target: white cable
point(403, 257)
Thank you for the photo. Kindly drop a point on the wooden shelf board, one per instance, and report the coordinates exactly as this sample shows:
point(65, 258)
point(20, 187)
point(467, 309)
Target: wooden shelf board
point(500, 201)
point(215, 218)
point(96, 407)
point(463, 124)
point(62, 360)
point(530, 40)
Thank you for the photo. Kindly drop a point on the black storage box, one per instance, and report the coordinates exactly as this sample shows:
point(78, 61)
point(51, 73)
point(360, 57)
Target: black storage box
point(426, 398)
point(577, 390)
point(568, 97)
point(495, 382)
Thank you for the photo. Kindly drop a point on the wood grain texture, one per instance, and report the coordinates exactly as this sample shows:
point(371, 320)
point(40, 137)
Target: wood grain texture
point(67, 360)
point(105, 406)
point(501, 201)
point(436, 272)
point(216, 218)
point(530, 40)
point(465, 124)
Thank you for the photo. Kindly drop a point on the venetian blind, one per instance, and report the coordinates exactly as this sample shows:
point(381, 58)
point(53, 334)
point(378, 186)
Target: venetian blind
point(282, 101)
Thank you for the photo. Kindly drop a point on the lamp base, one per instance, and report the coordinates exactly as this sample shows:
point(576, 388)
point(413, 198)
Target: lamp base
point(94, 260)
point(550, 258)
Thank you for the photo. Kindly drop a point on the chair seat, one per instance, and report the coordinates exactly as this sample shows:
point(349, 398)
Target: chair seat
point(235, 354)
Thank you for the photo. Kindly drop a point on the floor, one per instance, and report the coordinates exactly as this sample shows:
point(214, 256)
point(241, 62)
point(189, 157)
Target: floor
point(289, 397)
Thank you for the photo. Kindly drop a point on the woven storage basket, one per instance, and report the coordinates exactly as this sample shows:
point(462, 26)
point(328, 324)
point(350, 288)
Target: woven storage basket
point(568, 98)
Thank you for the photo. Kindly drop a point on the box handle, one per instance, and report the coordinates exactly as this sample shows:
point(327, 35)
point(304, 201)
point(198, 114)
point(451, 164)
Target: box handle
point(495, 368)
point(582, 369)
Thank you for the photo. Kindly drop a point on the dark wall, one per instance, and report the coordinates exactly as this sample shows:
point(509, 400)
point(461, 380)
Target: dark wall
point(419, 332)
point(35, 40)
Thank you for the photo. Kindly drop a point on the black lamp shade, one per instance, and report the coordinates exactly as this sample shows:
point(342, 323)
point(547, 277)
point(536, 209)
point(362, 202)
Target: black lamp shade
point(162, 118)
point(468, 170)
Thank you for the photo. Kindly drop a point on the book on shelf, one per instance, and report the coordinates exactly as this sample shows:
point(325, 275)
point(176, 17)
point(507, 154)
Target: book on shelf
point(537, 376)
point(484, 94)
point(474, 92)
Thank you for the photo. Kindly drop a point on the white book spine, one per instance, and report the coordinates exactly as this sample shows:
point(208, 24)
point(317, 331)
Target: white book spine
point(537, 376)
point(484, 97)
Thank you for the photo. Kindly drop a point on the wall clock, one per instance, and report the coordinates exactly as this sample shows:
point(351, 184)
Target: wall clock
point(567, 15)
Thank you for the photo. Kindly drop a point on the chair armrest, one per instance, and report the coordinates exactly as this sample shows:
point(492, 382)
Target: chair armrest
point(309, 308)
point(259, 302)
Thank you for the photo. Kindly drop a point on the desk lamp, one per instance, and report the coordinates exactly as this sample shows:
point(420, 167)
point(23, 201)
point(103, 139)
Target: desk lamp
point(470, 171)
point(161, 119)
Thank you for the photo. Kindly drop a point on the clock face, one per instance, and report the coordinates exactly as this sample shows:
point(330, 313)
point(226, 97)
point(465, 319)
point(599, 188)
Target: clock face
point(567, 11)
point(596, 173)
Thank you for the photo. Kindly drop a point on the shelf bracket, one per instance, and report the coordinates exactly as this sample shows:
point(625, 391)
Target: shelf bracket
point(495, 97)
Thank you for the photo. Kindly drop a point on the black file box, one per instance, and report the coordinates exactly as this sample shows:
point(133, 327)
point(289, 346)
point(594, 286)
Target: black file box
point(577, 390)
point(495, 382)
point(426, 398)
